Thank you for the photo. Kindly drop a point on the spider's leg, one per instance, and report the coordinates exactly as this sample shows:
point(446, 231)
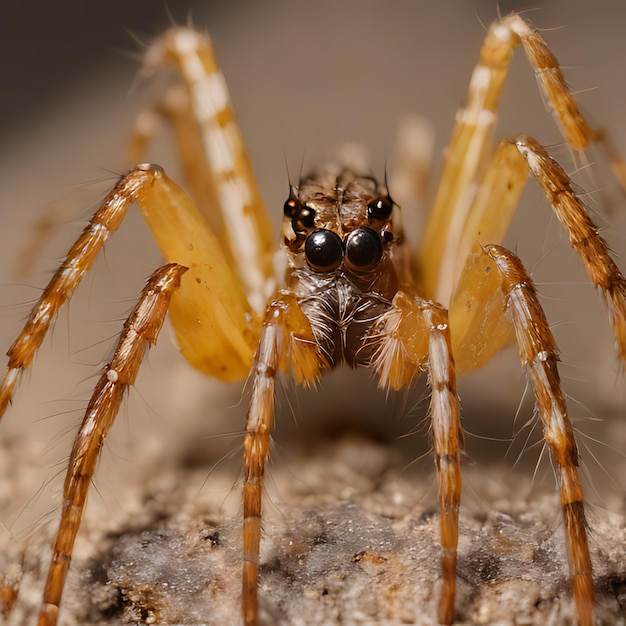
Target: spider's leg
point(487, 221)
point(448, 440)
point(287, 341)
point(140, 330)
point(583, 233)
point(256, 450)
point(468, 152)
point(539, 356)
point(215, 158)
point(77, 263)
point(476, 302)
point(479, 327)
point(415, 334)
point(216, 328)
point(495, 203)
point(174, 109)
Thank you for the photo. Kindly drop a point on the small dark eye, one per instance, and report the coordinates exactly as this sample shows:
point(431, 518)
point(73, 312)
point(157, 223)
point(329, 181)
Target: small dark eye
point(324, 250)
point(387, 236)
point(380, 208)
point(364, 249)
point(307, 217)
point(291, 207)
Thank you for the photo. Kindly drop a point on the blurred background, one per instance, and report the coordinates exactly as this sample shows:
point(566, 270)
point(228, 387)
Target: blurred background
point(305, 78)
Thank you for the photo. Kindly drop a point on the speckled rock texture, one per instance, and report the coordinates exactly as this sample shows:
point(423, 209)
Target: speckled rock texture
point(349, 538)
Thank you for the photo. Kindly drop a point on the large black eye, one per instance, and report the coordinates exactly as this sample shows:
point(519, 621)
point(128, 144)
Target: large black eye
point(364, 249)
point(323, 250)
point(380, 208)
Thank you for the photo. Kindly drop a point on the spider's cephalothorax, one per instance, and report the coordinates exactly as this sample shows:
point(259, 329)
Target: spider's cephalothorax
point(342, 260)
point(349, 295)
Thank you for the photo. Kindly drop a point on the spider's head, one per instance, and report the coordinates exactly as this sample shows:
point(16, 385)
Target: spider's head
point(339, 221)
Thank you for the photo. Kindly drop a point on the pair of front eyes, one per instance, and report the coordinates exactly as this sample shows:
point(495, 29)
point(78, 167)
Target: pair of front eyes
point(361, 250)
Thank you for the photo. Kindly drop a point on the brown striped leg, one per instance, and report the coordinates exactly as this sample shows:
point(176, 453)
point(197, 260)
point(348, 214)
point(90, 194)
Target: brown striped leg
point(539, 355)
point(256, 451)
point(412, 334)
point(141, 329)
point(583, 233)
point(227, 164)
point(469, 151)
point(77, 263)
point(174, 109)
point(286, 334)
point(448, 440)
point(487, 222)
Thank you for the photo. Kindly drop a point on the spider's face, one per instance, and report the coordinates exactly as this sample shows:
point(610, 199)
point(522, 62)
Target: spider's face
point(340, 243)
point(338, 222)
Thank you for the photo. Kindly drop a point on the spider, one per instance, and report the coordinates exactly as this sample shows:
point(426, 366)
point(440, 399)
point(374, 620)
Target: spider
point(353, 293)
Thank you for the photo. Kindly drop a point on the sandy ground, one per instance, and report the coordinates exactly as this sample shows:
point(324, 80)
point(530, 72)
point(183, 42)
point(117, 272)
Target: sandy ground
point(350, 535)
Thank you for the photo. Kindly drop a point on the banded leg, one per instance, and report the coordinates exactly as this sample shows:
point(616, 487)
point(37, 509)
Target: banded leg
point(487, 222)
point(140, 330)
point(287, 342)
point(448, 441)
point(174, 110)
point(77, 263)
point(215, 325)
point(227, 162)
point(539, 356)
point(583, 233)
point(468, 154)
point(402, 333)
point(256, 451)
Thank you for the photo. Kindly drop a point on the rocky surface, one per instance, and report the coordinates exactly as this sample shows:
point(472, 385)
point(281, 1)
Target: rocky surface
point(349, 538)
